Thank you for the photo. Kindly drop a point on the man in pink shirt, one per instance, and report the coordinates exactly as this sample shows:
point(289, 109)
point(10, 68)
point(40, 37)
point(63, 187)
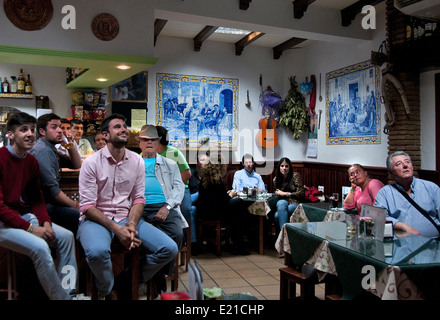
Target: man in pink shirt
point(111, 188)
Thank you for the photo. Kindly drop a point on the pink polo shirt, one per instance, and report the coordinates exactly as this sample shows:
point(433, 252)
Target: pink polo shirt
point(367, 196)
point(109, 186)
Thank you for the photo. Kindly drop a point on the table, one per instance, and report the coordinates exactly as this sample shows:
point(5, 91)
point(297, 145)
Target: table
point(261, 208)
point(310, 212)
point(405, 267)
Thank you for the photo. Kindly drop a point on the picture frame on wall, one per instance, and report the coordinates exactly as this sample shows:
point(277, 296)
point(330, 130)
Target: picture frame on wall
point(132, 89)
point(198, 111)
point(353, 105)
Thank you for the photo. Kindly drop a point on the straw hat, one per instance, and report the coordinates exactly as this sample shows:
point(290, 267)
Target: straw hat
point(148, 131)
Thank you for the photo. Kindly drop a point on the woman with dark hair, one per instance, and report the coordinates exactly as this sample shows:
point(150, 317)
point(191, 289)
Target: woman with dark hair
point(214, 202)
point(289, 188)
point(363, 188)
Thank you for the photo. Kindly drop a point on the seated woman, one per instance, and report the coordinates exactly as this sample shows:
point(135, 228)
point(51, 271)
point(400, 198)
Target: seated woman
point(363, 188)
point(214, 201)
point(289, 188)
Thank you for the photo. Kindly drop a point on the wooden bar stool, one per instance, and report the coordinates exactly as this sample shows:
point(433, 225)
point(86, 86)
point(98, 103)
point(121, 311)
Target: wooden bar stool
point(173, 278)
point(184, 254)
point(215, 237)
point(289, 277)
point(11, 290)
point(122, 259)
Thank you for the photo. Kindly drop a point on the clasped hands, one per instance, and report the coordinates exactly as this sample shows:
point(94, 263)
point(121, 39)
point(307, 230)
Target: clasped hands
point(127, 236)
point(45, 232)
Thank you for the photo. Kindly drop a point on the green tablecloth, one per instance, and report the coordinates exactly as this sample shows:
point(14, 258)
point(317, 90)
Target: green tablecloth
point(410, 270)
point(315, 213)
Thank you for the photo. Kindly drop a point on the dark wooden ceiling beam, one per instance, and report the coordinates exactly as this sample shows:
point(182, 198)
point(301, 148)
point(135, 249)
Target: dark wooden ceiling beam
point(202, 36)
point(278, 50)
point(158, 26)
point(349, 13)
point(248, 39)
point(244, 4)
point(299, 7)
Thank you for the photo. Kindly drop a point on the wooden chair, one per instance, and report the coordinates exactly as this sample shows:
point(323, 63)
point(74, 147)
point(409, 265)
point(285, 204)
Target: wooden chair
point(213, 229)
point(289, 277)
point(122, 259)
point(11, 289)
point(185, 252)
point(173, 278)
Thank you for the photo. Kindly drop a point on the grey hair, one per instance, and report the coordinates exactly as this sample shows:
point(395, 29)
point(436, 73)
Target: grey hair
point(394, 154)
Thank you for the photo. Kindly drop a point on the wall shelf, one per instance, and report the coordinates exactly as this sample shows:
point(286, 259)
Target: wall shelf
point(16, 95)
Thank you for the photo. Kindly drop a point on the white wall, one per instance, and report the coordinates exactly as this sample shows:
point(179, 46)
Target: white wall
point(217, 59)
point(176, 56)
point(427, 118)
point(46, 81)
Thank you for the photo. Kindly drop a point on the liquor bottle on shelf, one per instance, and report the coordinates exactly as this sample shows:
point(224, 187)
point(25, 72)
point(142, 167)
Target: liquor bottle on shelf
point(5, 86)
point(28, 85)
point(1, 85)
point(20, 82)
point(13, 84)
point(409, 30)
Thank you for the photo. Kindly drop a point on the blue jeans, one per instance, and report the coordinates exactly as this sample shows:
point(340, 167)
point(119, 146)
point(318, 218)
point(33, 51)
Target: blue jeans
point(63, 216)
point(284, 211)
point(194, 197)
point(96, 240)
point(39, 251)
point(185, 208)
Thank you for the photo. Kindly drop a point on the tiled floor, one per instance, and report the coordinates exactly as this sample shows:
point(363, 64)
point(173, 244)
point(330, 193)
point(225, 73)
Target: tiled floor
point(256, 274)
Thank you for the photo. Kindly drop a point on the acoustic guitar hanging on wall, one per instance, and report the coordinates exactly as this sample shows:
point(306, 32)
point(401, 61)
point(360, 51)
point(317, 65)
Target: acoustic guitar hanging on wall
point(267, 136)
point(271, 103)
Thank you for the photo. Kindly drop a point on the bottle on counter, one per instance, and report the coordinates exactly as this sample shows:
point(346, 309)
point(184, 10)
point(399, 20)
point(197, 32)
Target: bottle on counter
point(5, 85)
point(13, 84)
point(28, 85)
point(20, 82)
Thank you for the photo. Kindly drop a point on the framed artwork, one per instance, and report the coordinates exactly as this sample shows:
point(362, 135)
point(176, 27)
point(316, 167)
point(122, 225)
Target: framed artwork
point(198, 110)
point(353, 105)
point(133, 89)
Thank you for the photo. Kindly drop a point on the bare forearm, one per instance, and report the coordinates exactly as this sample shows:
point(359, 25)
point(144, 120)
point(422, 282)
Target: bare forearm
point(135, 213)
point(97, 216)
point(62, 199)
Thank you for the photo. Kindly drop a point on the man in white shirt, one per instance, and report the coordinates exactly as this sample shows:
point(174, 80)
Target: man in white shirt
point(84, 146)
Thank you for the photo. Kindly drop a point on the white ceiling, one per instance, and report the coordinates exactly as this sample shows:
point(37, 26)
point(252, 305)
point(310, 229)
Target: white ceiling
point(190, 30)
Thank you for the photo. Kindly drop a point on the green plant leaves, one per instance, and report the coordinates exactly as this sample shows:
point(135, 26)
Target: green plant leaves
point(293, 115)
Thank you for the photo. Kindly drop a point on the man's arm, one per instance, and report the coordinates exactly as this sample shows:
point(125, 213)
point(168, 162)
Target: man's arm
point(185, 174)
point(75, 156)
point(62, 199)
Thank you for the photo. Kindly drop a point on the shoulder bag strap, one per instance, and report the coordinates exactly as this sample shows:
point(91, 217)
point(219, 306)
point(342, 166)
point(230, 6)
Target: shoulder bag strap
point(427, 216)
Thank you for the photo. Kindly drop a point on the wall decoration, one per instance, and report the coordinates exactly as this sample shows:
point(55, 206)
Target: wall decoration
point(353, 105)
point(105, 26)
point(198, 110)
point(29, 15)
point(133, 89)
point(312, 137)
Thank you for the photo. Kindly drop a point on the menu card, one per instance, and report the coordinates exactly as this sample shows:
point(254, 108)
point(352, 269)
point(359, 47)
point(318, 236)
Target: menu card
point(374, 218)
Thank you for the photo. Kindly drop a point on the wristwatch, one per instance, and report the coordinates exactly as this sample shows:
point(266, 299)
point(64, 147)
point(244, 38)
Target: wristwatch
point(168, 207)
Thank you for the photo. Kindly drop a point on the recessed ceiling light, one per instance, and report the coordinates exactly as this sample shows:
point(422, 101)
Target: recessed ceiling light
point(231, 31)
point(102, 79)
point(123, 67)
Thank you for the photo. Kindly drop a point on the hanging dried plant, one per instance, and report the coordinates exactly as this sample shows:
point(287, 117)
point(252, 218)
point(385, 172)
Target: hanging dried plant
point(293, 115)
